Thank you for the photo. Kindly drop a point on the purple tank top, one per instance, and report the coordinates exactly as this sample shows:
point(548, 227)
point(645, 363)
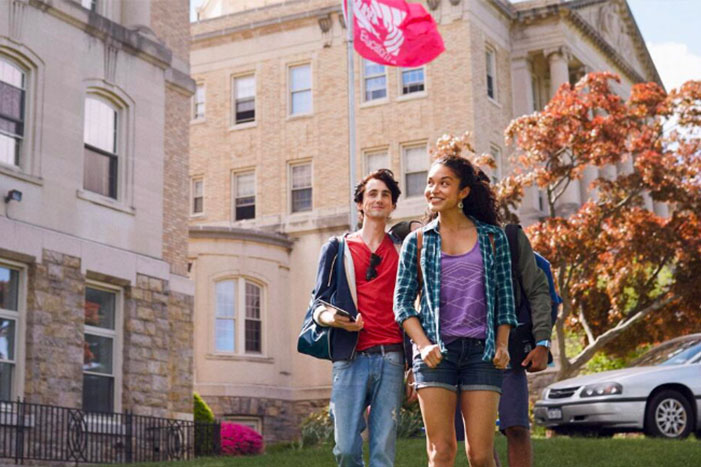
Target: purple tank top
point(463, 311)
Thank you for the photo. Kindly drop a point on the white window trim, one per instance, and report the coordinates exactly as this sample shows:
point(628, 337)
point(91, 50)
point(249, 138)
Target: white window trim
point(233, 125)
point(193, 180)
point(363, 78)
point(193, 105)
point(29, 169)
point(413, 95)
point(117, 334)
point(289, 186)
point(402, 165)
point(125, 137)
point(290, 115)
point(234, 174)
point(498, 159)
point(239, 318)
point(20, 317)
point(372, 152)
point(489, 48)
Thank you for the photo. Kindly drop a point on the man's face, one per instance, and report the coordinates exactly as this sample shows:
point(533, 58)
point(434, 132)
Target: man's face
point(377, 200)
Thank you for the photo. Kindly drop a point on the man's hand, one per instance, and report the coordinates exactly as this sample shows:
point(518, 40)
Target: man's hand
point(536, 360)
point(431, 355)
point(501, 357)
point(331, 318)
point(411, 393)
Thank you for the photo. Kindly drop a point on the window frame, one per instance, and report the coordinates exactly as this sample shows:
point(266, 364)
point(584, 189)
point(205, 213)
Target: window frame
point(402, 95)
point(496, 152)
point(490, 59)
point(194, 116)
point(290, 92)
point(368, 153)
point(234, 100)
point(113, 157)
point(290, 167)
point(20, 317)
point(20, 140)
point(365, 78)
point(239, 316)
point(405, 148)
point(193, 181)
point(234, 192)
point(117, 334)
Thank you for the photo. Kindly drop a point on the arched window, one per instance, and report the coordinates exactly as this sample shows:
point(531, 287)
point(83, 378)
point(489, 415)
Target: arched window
point(238, 322)
point(12, 111)
point(101, 164)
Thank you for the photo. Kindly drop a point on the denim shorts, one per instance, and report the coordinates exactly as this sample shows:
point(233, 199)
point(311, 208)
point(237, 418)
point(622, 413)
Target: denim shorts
point(462, 369)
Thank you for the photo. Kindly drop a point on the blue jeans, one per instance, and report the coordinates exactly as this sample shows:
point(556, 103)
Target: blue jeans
point(374, 380)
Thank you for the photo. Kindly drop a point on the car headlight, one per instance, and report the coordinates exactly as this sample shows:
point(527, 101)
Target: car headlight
point(601, 389)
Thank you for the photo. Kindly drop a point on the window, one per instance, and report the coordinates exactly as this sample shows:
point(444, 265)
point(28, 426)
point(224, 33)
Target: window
point(301, 187)
point(197, 196)
point(89, 4)
point(102, 350)
point(412, 80)
point(375, 81)
point(10, 380)
point(376, 160)
point(490, 58)
point(244, 99)
point(300, 89)
point(12, 99)
point(238, 317)
point(245, 199)
point(100, 137)
point(498, 173)
point(415, 170)
point(198, 101)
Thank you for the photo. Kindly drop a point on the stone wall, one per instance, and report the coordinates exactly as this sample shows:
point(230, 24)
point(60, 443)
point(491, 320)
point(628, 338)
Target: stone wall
point(157, 362)
point(54, 337)
point(281, 419)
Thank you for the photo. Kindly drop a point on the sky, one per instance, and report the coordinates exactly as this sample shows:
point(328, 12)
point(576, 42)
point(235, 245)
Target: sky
point(672, 32)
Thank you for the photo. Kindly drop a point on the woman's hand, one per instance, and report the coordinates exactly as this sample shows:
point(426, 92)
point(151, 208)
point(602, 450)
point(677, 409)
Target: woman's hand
point(501, 357)
point(431, 355)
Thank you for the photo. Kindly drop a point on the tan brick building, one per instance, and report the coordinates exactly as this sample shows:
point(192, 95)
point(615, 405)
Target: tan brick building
point(95, 305)
point(269, 157)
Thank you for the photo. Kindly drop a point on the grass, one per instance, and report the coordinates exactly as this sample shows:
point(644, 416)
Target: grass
point(553, 452)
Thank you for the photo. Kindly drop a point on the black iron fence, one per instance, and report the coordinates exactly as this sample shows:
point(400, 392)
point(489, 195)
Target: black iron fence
point(60, 434)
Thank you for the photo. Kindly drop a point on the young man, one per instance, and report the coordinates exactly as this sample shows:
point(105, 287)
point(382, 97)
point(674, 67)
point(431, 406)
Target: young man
point(513, 405)
point(367, 350)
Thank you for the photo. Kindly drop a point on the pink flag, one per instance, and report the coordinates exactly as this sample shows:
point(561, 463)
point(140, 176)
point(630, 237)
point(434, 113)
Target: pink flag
point(394, 32)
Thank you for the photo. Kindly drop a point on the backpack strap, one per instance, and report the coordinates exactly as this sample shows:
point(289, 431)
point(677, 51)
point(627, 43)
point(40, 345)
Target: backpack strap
point(521, 297)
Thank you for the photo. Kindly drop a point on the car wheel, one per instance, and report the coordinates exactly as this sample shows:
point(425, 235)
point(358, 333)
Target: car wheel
point(669, 415)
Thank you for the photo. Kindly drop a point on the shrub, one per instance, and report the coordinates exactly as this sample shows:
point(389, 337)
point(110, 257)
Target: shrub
point(317, 428)
point(239, 440)
point(410, 423)
point(201, 411)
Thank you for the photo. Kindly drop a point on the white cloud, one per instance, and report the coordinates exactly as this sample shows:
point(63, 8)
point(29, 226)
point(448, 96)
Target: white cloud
point(675, 63)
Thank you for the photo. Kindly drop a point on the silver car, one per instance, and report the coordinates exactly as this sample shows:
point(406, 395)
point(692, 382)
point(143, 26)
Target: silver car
point(660, 394)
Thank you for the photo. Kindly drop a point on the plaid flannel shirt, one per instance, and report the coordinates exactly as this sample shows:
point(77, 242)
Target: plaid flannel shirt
point(498, 286)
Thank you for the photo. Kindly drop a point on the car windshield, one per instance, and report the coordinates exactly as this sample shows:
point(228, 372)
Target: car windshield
point(671, 353)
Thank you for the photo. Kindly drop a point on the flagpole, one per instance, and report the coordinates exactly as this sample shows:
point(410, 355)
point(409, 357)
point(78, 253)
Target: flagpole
point(351, 114)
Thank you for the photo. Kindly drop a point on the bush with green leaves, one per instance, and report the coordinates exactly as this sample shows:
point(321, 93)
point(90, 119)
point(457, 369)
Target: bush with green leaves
point(201, 411)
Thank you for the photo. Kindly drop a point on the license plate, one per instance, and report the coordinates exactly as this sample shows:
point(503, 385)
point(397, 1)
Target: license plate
point(554, 414)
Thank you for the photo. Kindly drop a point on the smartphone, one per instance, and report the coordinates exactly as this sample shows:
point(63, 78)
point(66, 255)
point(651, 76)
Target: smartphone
point(338, 310)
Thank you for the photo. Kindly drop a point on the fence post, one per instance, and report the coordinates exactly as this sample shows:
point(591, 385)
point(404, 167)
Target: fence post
point(19, 436)
point(129, 444)
point(217, 438)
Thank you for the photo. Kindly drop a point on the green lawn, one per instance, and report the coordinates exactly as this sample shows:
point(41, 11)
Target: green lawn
point(554, 452)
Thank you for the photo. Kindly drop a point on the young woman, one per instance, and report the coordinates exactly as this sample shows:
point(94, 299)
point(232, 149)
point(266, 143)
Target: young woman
point(467, 310)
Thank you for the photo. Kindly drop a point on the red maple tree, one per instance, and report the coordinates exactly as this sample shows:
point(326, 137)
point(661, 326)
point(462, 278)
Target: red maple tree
point(626, 275)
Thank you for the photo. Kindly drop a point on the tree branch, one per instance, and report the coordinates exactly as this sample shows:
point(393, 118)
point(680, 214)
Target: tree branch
point(585, 325)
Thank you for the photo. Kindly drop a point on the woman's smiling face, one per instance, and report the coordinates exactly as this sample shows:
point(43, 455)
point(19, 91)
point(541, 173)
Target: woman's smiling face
point(443, 190)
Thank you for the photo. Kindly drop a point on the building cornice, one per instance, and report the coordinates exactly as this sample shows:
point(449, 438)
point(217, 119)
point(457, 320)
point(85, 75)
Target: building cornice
point(316, 13)
point(130, 40)
point(237, 233)
point(567, 11)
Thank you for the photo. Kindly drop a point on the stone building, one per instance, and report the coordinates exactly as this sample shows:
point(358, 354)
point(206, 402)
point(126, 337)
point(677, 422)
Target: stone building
point(95, 303)
point(269, 157)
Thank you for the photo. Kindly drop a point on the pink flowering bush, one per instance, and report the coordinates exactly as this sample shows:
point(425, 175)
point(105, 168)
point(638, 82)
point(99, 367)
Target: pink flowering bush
point(239, 440)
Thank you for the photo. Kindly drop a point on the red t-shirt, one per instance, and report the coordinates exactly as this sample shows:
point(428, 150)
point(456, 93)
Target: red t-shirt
point(375, 297)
